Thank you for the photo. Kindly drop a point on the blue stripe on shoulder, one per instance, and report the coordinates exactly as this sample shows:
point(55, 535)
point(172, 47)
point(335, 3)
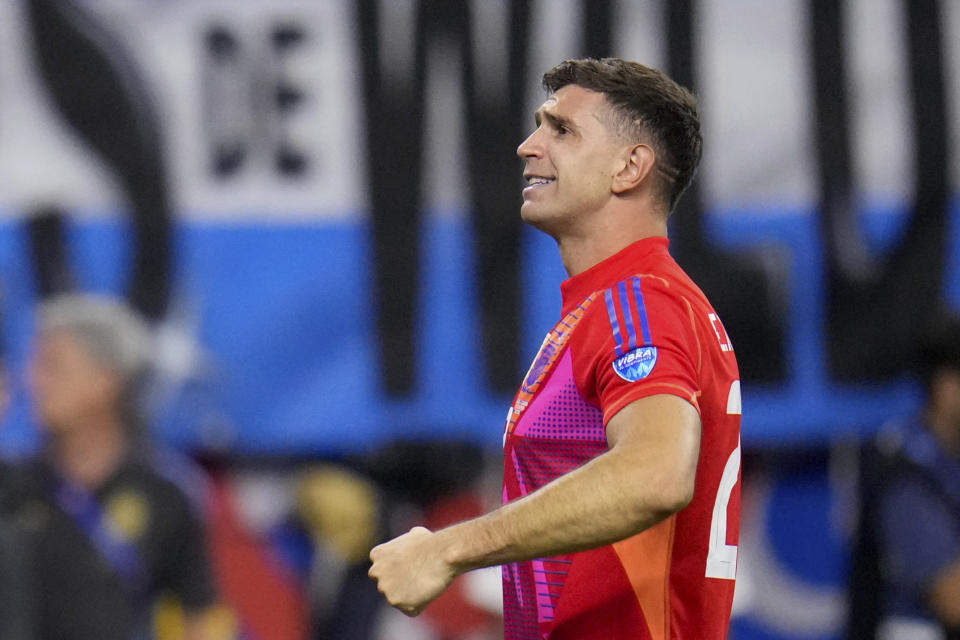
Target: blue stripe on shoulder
point(614, 323)
point(628, 317)
point(642, 311)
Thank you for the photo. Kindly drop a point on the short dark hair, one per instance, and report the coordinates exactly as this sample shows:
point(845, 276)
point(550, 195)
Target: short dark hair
point(649, 107)
point(939, 348)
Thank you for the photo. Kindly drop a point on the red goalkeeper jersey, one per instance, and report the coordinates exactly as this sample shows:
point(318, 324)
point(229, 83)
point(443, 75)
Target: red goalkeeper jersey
point(632, 326)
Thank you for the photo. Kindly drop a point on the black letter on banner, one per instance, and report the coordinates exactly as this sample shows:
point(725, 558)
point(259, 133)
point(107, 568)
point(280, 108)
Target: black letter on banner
point(394, 126)
point(48, 248)
point(290, 161)
point(394, 107)
point(495, 126)
point(597, 28)
point(749, 299)
point(100, 94)
point(877, 309)
point(226, 101)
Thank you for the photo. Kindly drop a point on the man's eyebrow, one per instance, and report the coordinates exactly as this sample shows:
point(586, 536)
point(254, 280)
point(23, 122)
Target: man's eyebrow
point(554, 120)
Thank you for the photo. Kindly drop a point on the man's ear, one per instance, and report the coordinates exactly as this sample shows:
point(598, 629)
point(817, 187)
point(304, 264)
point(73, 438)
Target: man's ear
point(639, 161)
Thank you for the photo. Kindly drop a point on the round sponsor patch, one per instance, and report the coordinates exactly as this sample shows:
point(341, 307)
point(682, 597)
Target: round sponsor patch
point(637, 364)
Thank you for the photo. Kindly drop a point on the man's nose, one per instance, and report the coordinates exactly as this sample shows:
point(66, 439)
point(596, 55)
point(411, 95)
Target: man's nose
point(530, 147)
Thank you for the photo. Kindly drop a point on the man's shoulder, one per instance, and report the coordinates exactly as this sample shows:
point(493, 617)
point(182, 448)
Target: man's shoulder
point(639, 309)
point(647, 293)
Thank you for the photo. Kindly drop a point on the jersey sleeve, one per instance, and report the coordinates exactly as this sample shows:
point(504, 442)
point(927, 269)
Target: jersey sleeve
point(639, 340)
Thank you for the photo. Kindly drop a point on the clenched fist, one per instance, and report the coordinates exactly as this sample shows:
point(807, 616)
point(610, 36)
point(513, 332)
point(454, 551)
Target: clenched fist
point(411, 571)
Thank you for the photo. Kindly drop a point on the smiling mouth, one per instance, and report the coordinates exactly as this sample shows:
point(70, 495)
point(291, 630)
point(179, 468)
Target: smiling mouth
point(538, 181)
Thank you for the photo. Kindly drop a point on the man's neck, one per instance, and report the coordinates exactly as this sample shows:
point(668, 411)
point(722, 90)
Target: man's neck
point(90, 453)
point(579, 252)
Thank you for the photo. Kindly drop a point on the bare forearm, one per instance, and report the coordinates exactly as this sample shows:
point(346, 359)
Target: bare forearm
point(647, 474)
point(611, 498)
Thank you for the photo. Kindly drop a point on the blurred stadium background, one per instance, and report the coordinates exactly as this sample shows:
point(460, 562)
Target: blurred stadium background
point(316, 202)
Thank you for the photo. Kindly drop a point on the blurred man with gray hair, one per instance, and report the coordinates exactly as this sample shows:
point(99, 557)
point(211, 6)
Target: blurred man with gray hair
point(109, 533)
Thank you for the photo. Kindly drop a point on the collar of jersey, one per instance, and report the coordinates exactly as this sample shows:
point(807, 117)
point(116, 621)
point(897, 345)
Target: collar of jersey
point(608, 272)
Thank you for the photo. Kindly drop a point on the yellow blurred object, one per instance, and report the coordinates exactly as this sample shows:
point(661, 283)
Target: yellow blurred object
point(221, 623)
point(128, 515)
point(340, 509)
point(169, 621)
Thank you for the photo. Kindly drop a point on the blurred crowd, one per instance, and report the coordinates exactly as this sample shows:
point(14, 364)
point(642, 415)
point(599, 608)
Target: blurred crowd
point(108, 534)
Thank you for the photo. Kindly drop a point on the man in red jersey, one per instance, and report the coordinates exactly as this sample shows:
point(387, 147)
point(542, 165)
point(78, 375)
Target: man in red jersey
point(622, 447)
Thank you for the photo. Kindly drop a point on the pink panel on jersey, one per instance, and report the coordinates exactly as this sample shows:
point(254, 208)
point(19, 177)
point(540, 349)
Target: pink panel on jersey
point(559, 431)
point(560, 411)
